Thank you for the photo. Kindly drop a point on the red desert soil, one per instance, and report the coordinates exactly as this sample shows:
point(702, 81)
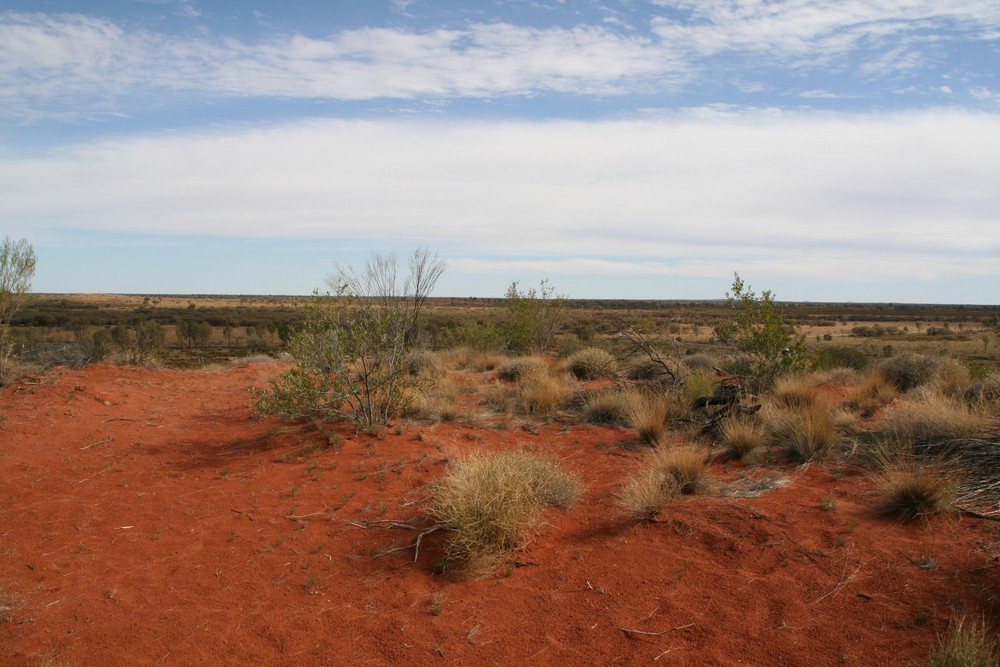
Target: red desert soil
point(148, 517)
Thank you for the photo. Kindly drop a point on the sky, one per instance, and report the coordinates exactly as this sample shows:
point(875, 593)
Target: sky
point(839, 150)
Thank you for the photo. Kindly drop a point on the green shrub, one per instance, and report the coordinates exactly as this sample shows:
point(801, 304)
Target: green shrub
point(767, 346)
point(591, 364)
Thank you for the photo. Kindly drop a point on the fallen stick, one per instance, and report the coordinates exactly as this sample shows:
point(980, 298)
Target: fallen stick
point(99, 442)
point(843, 582)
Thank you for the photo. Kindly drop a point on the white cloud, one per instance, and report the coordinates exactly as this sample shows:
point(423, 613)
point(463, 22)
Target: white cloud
point(810, 33)
point(815, 196)
point(50, 59)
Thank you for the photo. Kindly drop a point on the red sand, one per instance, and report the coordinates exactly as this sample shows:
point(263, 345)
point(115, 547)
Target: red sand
point(148, 518)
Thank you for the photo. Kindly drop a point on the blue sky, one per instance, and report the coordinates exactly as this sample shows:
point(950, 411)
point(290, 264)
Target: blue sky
point(828, 151)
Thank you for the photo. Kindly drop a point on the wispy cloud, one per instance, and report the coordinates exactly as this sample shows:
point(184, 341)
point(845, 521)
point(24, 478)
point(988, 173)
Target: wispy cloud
point(906, 194)
point(46, 59)
point(50, 62)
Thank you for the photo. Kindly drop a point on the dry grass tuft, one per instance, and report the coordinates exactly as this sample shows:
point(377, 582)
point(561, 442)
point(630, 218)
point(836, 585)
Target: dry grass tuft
point(651, 412)
point(968, 644)
point(518, 368)
point(645, 494)
point(932, 417)
point(665, 474)
point(488, 503)
point(915, 488)
point(592, 363)
point(543, 394)
point(796, 391)
point(424, 363)
point(871, 395)
point(802, 432)
point(909, 371)
point(608, 407)
point(742, 435)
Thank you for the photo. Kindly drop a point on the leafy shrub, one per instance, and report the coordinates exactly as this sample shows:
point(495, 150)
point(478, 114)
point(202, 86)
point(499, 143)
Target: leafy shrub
point(533, 318)
point(488, 503)
point(768, 347)
point(968, 644)
point(355, 343)
point(591, 363)
point(478, 336)
point(296, 394)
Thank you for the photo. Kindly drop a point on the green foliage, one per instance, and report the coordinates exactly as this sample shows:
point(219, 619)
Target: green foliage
point(841, 356)
point(474, 335)
point(352, 346)
point(296, 394)
point(194, 333)
point(138, 341)
point(768, 347)
point(17, 268)
point(533, 317)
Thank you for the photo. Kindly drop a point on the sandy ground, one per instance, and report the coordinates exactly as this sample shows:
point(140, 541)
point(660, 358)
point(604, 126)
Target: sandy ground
point(148, 517)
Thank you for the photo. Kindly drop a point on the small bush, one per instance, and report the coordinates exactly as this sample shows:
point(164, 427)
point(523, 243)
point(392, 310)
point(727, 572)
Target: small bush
point(916, 489)
point(909, 371)
point(968, 644)
point(796, 391)
point(985, 393)
point(518, 368)
point(933, 417)
point(873, 394)
point(802, 432)
point(591, 364)
point(609, 407)
point(424, 362)
point(698, 385)
point(488, 503)
point(543, 394)
point(742, 435)
point(698, 362)
point(645, 494)
point(295, 394)
point(650, 413)
point(664, 475)
point(841, 356)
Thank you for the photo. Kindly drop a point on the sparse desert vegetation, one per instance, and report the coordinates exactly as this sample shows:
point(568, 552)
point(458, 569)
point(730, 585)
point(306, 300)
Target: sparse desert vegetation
point(509, 484)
